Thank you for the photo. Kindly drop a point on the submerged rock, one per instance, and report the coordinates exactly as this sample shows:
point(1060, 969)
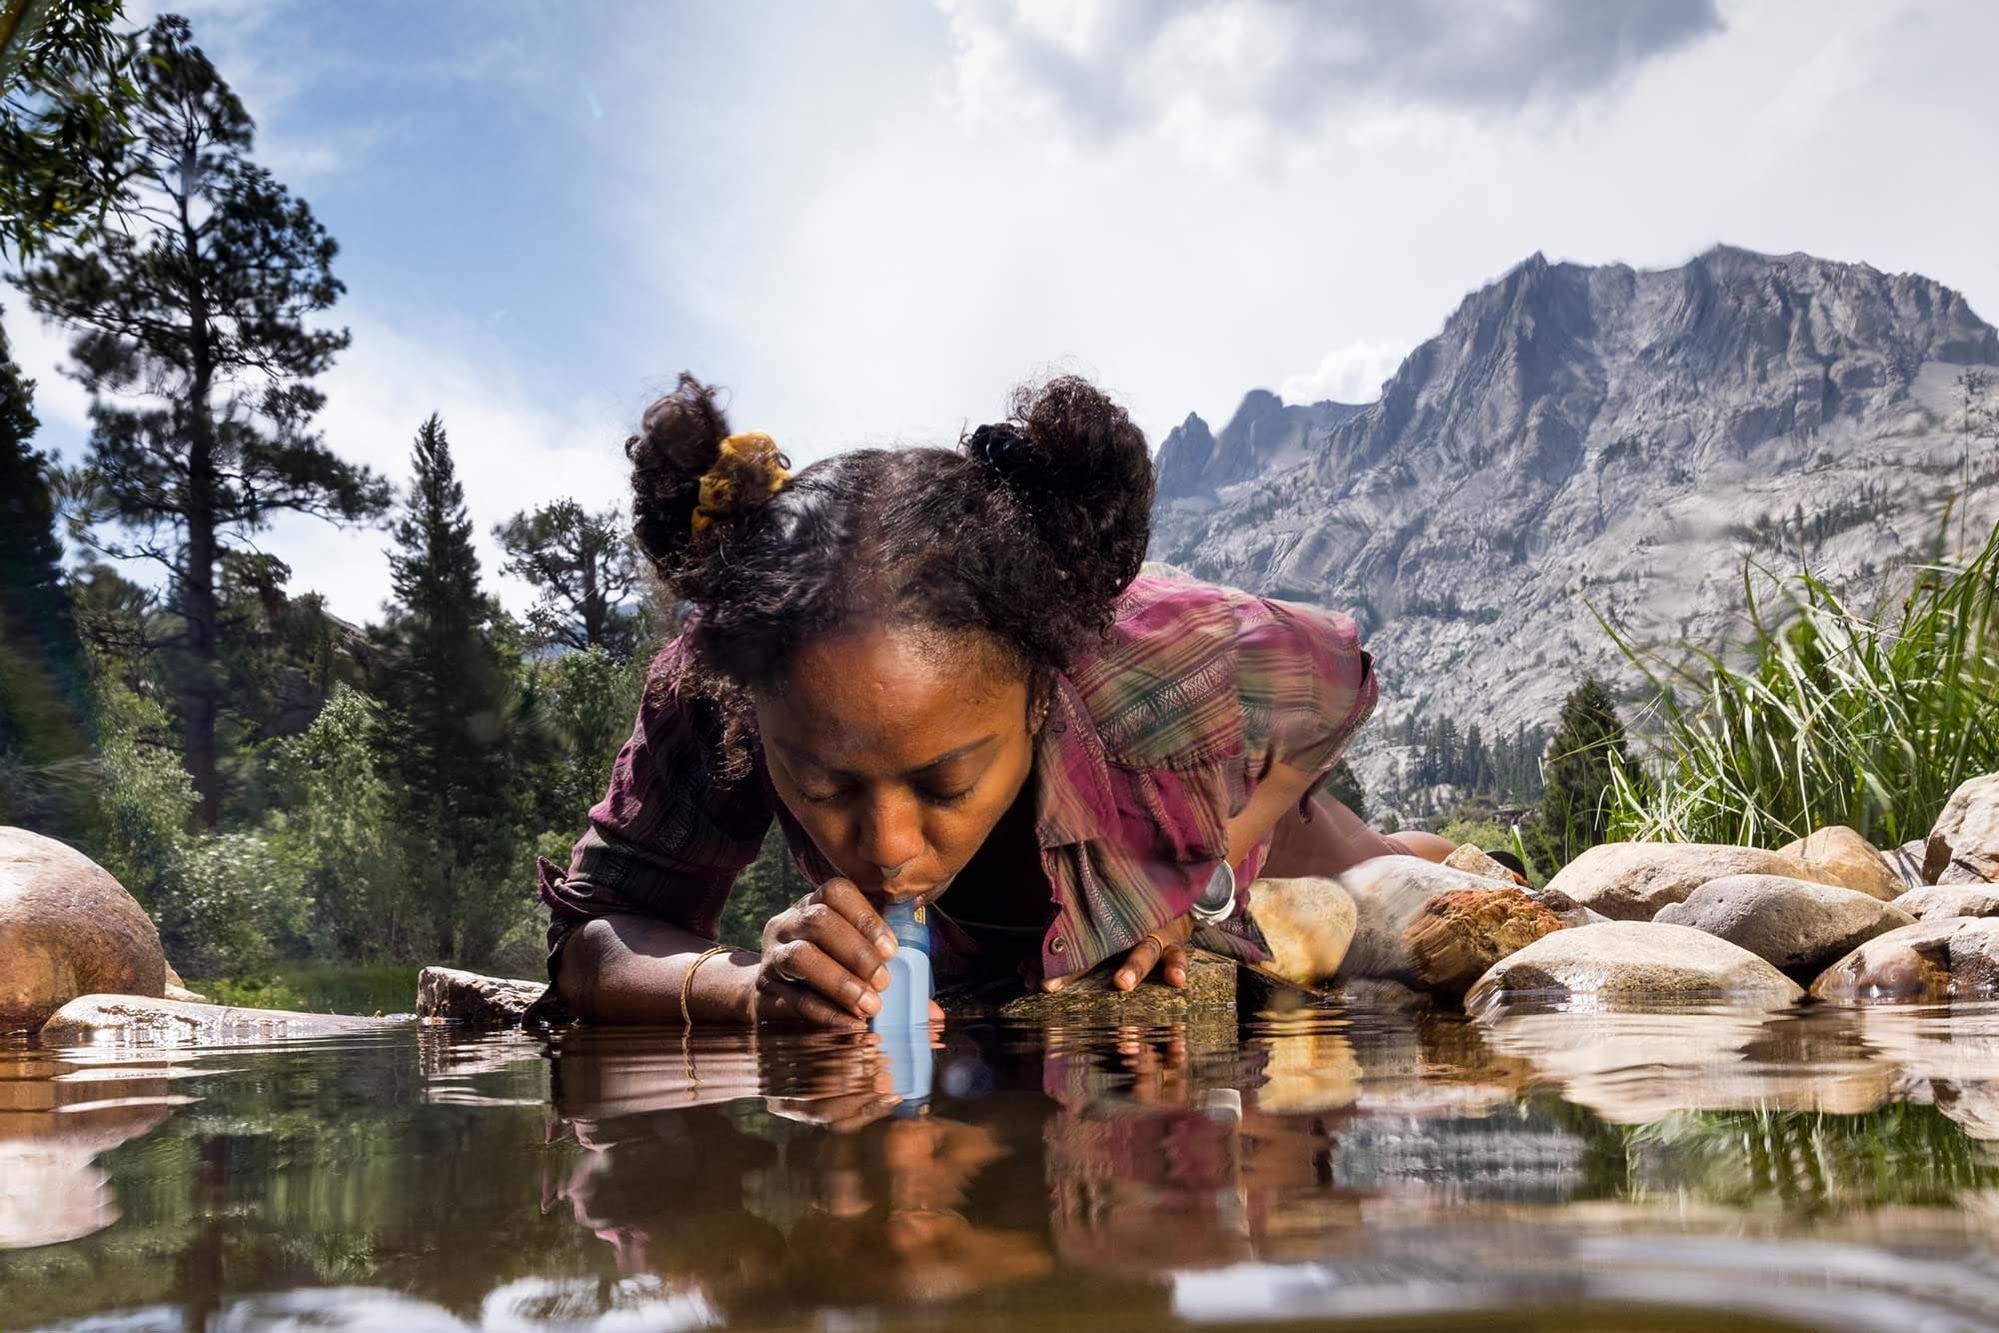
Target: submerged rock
point(1795, 925)
point(474, 1000)
point(1842, 856)
point(1941, 902)
point(67, 928)
point(1631, 881)
point(1308, 924)
point(1631, 965)
point(1963, 846)
point(1952, 959)
point(1460, 934)
point(174, 1022)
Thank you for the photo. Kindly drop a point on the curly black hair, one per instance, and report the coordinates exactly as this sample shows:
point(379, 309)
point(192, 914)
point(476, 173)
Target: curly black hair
point(1026, 533)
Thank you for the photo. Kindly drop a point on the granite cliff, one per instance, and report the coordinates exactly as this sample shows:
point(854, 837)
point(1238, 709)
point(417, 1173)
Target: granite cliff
point(1584, 440)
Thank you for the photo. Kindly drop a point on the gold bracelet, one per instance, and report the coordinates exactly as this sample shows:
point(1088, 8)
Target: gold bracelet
point(687, 983)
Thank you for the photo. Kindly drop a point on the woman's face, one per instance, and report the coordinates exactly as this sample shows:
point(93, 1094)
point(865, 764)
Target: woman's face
point(898, 749)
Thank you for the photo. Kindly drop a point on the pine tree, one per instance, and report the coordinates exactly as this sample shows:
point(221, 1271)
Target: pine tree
point(581, 565)
point(199, 345)
point(1343, 785)
point(1575, 806)
point(44, 742)
point(443, 730)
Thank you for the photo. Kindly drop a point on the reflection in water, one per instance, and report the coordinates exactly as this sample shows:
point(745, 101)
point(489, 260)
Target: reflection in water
point(1816, 1166)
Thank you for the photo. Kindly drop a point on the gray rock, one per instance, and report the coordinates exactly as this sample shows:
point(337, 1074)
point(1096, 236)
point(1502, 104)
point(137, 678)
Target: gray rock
point(1954, 958)
point(148, 1021)
point(1840, 855)
point(1794, 925)
point(1907, 863)
point(1624, 965)
point(1389, 893)
point(67, 928)
point(1941, 902)
point(1967, 831)
point(1632, 881)
point(474, 1000)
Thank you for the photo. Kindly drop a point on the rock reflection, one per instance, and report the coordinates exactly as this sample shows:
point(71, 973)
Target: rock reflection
point(55, 1118)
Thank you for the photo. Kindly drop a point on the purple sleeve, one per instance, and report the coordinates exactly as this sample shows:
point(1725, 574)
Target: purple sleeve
point(669, 837)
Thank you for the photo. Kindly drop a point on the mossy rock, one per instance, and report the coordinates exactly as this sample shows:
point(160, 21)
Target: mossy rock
point(1091, 998)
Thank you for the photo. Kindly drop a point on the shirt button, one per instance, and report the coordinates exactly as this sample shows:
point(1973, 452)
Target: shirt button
point(1058, 945)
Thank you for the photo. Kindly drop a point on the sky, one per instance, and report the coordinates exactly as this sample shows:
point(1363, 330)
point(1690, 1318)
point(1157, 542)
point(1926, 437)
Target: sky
point(869, 220)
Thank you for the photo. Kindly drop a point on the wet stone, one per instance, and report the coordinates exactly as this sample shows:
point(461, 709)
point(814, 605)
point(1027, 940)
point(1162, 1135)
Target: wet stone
point(1794, 925)
point(1624, 965)
point(1956, 958)
point(458, 996)
point(67, 928)
point(173, 1022)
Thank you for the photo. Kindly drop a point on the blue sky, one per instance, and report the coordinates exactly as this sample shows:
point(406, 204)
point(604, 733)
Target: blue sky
point(870, 219)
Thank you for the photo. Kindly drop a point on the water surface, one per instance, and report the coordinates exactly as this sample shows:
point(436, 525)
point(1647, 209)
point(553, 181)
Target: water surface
point(1712, 1169)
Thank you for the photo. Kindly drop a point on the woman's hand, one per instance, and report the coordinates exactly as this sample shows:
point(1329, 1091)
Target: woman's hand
point(1165, 949)
point(824, 960)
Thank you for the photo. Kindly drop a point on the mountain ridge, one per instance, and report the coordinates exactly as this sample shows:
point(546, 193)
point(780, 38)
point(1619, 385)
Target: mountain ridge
point(1597, 438)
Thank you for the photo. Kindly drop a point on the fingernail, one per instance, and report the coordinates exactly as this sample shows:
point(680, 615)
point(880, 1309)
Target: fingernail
point(885, 945)
point(880, 979)
point(1055, 985)
point(870, 1002)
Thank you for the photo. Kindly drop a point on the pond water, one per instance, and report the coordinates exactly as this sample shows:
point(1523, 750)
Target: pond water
point(1346, 1168)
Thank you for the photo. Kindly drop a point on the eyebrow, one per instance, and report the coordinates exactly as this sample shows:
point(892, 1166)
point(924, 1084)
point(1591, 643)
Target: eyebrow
point(949, 755)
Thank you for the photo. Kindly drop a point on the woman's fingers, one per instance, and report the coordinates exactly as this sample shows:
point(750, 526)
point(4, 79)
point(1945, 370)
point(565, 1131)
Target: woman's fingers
point(1138, 964)
point(1173, 965)
point(842, 897)
point(838, 938)
point(784, 1003)
point(804, 963)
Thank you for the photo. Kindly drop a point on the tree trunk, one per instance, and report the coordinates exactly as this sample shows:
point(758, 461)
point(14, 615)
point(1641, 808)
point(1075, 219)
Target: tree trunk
point(198, 705)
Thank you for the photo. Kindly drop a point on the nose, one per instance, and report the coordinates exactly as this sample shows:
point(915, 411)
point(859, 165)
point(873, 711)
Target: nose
point(890, 835)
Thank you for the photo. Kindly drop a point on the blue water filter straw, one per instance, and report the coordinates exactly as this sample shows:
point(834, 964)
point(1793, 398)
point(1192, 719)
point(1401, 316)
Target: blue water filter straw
point(903, 1021)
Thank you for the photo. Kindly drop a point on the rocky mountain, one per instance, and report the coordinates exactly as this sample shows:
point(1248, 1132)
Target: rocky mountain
point(1584, 440)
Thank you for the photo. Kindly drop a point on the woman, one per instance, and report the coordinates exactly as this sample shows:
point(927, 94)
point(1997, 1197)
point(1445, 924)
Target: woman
point(940, 671)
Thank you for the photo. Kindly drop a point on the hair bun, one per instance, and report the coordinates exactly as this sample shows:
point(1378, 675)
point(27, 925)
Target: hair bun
point(1080, 469)
point(679, 440)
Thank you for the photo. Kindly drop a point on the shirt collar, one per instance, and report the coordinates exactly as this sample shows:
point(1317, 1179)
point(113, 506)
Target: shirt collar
point(1073, 800)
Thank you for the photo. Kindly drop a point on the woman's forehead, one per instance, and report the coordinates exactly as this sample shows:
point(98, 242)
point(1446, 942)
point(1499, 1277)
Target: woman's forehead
point(891, 697)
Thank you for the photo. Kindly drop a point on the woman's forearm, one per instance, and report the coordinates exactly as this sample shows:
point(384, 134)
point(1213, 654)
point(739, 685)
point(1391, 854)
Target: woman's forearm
point(630, 969)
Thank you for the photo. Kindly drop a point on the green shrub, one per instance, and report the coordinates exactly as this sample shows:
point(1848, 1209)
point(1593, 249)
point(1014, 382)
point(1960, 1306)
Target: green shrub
point(1840, 718)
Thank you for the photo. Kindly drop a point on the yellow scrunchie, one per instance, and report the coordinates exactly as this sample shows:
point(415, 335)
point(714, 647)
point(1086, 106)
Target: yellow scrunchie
point(718, 490)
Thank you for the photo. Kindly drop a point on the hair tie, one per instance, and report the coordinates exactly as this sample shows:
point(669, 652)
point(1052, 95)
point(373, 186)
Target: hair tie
point(751, 451)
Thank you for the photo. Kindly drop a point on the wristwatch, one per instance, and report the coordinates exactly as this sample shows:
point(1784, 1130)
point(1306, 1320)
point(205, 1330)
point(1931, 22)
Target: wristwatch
point(1217, 901)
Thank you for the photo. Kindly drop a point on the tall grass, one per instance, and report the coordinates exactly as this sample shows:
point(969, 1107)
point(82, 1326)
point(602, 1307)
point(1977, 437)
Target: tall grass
point(1840, 718)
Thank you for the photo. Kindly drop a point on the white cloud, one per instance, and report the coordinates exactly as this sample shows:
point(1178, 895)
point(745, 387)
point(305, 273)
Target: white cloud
point(1350, 374)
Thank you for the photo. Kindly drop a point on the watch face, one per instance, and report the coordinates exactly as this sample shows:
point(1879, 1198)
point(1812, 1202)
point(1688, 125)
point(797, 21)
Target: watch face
point(1219, 896)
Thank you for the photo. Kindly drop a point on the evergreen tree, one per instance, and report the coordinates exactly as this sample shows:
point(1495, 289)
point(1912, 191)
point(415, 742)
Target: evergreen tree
point(445, 695)
point(1343, 785)
point(1575, 807)
point(199, 345)
point(581, 565)
point(44, 743)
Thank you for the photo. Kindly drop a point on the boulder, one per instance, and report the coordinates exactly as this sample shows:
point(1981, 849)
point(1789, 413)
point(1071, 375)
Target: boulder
point(1907, 863)
point(1459, 934)
point(176, 989)
point(1389, 893)
point(1631, 881)
point(1471, 858)
point(1970, 868)
point(174, 1022)
point(1940, 902)
point(67, 928)
point(1841, 856)
point(1795, 925)
point(1308, 923)
point(466, 997)
point(1967, 830)
point(1950, 959)
point(1625, 965)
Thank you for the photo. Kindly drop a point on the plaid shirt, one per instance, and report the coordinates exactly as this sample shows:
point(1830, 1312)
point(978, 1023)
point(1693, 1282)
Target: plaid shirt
point(1157, 736)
